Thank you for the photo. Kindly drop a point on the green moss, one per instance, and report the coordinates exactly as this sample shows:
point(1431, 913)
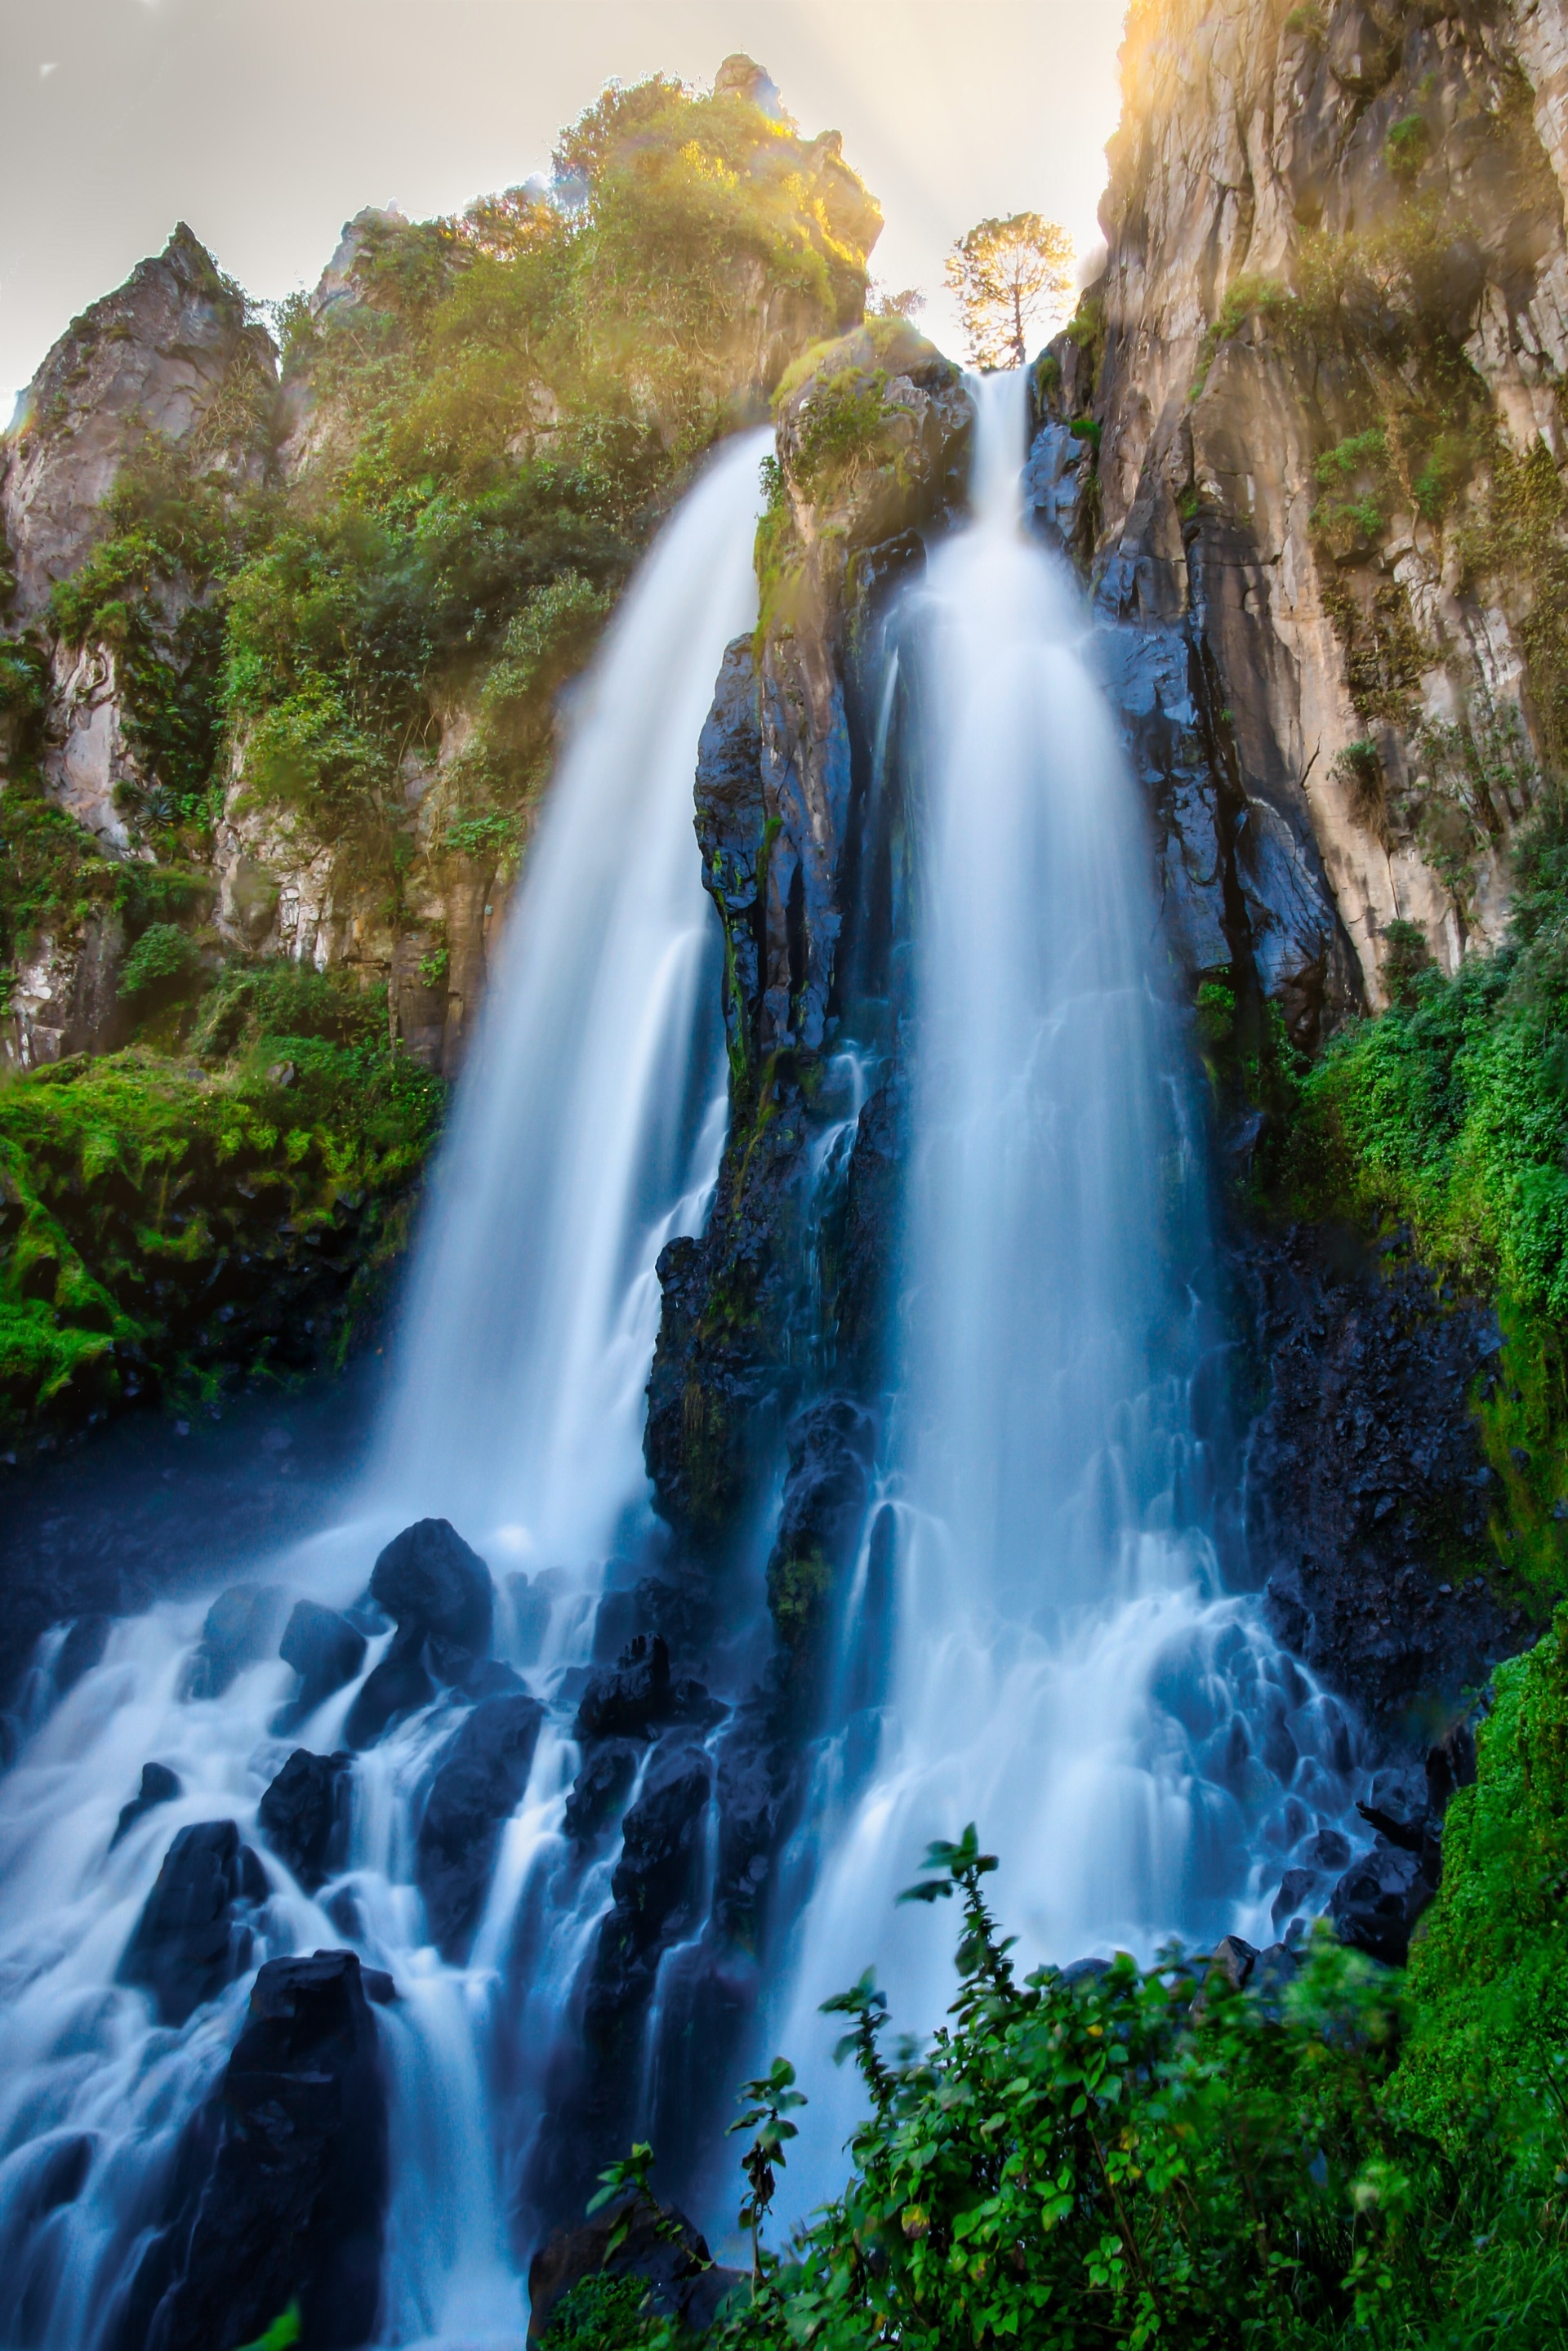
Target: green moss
point(798, 1590)
point(168, 1227)
point(601, 2314)
point(1488, 2050)
point(1407, 146)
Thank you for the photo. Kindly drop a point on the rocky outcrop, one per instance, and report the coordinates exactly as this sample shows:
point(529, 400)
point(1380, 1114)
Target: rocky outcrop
point(191, 1939)
point(170, 353)
point(1368, 1494)
point(1321, 364)
point(277, 2195)
point(477, 1787)
point(304, 1816)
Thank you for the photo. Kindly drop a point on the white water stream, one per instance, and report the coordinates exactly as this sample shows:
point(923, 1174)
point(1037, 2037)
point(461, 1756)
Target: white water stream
point(1065, 1670)
point(588, 1133)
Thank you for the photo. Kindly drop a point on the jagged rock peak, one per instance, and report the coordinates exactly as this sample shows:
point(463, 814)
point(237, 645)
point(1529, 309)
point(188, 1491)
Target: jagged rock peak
point(742, 77)
point(165, 353)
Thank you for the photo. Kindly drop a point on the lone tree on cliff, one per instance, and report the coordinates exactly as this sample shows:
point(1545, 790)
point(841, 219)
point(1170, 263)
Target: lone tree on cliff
point(1009, 275)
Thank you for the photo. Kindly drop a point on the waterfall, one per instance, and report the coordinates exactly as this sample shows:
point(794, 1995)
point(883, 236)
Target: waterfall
point(1065, 1668)
point(590, 1130)
point(586, 1133)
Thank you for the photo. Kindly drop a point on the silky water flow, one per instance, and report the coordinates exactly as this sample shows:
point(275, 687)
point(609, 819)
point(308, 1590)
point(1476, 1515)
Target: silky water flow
point(1063, 1667)
point(587, 1133)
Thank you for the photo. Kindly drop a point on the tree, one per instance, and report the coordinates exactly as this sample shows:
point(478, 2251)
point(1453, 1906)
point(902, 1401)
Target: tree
point(1007, 275)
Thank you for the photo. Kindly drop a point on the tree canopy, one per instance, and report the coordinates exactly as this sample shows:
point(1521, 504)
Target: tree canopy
point(1010, 277)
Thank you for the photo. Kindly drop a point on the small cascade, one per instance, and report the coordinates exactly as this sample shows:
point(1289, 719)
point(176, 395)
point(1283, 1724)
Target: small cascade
point(587, 1133)
point(1063, 1666)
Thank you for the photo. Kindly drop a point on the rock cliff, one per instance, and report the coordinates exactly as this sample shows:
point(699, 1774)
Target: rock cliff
point(1322, 365)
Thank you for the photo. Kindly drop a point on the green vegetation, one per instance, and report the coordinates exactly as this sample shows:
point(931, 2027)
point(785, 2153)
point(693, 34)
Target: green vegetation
point(168, 1227)
point(495, 410)
point(1140, 2157)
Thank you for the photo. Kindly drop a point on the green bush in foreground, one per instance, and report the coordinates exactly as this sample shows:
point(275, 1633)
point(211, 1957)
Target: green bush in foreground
point(1351, 2156)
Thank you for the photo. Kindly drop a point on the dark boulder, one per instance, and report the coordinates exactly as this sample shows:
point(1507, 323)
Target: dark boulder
point(825, 1494)
point(761, 1776)
point(655, 1885)
point(1378, 1902)
point(638, 1695)
point(240, 1629)
point(304, 1816)
point(399, 1685)
point(478, 1786)
point(279, 2187)
point(659, 2244)
point(600, 1787)
point(325, 1650)
point(1367, 1494)
point(187, 1945)
point(428, 1577)
point(159, 1786)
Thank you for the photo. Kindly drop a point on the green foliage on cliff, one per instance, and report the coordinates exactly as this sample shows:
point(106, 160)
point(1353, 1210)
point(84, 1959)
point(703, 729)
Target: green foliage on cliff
point(1489, 2046)
point(504, 403)
point(170, 1227)
point(1345, 2155)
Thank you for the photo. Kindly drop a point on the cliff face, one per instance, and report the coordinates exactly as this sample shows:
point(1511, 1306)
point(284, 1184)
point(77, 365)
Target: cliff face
point(304, 640)
point(1324, 362)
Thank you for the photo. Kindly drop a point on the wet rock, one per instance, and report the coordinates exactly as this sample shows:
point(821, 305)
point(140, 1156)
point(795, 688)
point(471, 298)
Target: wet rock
point(428, 1579)
point(760, 1781)
point(187, 1945)
point(325, 1650)
point(1378, 1902)
point(159, 1786)
point(304, 1816)
point(399, 1685)
point(479, 1785)
point(825, 1492)
point(639, 1695)
point(1365, 1471)
point(600, 1787)
point(240, 1629)
point(279, 2186)
point(660, 2245)
point(81, 1649)
point(655, 1887)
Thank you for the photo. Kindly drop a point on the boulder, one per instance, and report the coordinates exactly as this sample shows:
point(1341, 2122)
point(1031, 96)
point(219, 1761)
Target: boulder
point(638, 1695)
point(325, 1650)
point(659, 2244)
point(478, 1786)
point(1378, 1902)
point(304, 1816)
point(187, 1945)
point(428, 1577)
point(240, 1629)
point(600, 1787)
point(159, 1786)
point(399, 1685)
point(279, 2187)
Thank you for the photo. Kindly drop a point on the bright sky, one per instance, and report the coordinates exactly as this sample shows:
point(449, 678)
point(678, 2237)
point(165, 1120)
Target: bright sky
point(264, 123)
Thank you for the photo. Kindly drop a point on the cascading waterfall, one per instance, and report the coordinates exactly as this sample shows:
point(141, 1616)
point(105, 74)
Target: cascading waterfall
point(1064, 1668)
point(587, 1134)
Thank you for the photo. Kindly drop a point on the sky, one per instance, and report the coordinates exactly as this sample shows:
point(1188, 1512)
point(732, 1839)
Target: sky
point(266, 123)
